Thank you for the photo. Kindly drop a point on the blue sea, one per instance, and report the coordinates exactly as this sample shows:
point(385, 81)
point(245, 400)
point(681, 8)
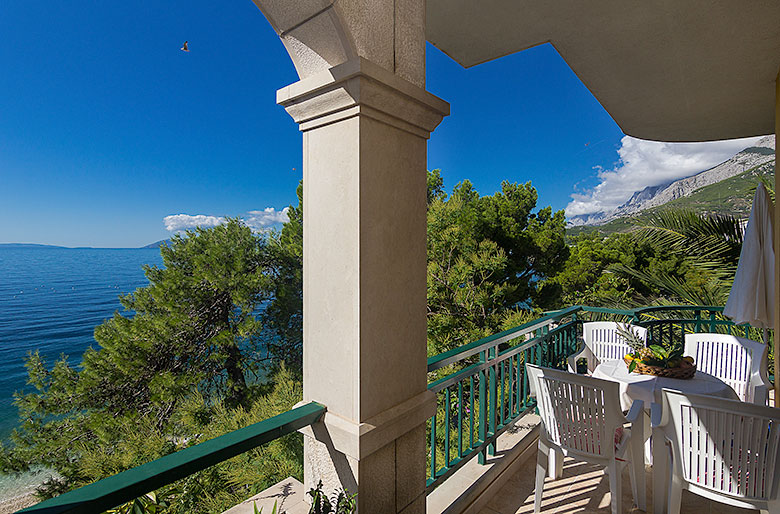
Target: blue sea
point(51, 299)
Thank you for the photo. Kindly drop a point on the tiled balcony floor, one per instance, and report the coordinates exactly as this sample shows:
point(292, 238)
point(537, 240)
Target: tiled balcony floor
point(584, 488)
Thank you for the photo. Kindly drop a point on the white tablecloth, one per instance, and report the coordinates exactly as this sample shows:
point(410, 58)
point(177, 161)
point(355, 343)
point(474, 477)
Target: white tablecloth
point(647, 388)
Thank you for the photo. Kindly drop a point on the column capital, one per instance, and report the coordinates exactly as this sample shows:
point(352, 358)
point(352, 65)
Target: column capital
point(361, 88)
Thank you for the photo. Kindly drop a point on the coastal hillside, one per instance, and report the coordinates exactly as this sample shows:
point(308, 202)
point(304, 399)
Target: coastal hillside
point(726, 188)
point(749, 159)
point(158, 244)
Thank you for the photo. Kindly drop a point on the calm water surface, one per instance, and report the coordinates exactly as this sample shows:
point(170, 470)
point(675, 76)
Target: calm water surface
point(51, 299)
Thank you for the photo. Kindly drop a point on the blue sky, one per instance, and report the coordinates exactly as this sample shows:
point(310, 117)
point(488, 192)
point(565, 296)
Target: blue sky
point(107, 129)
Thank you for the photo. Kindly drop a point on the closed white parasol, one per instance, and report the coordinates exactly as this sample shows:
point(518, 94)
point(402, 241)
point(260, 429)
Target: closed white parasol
point(752, 298)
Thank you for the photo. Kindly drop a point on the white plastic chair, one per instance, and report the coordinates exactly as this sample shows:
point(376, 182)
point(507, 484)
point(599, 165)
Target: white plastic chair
point(724, 450)
point(580, 417)
point(739, 362)
point(603, 343)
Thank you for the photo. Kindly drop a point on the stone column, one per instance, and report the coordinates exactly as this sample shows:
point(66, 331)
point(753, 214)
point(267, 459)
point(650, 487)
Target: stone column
point(365, 133)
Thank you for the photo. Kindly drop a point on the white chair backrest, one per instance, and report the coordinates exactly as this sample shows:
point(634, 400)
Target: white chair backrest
point(730, 358)
point(604, 341)
point(726, 446)
point(579, 413)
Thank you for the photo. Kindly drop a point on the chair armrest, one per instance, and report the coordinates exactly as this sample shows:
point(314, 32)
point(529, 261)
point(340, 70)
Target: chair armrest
point(636, 411)
point(583, 353)
point(759, 382)
point(656, 415)
point(572, 360)
point(761, 395)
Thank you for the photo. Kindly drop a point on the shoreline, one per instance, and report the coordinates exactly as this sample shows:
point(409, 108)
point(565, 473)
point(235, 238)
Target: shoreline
point(21, 501)
point(17, 491)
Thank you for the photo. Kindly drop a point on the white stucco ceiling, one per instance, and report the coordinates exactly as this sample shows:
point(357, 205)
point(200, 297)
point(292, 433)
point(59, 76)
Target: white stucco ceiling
point(668, 70)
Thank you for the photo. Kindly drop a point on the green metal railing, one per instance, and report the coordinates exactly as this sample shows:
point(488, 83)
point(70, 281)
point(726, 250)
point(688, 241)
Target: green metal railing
point(487, 389)
point(479, 401)
point(128, 485)
point(671, 331)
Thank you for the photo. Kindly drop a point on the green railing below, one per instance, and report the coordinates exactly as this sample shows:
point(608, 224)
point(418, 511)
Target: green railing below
point(479, 402)
point(128, 485)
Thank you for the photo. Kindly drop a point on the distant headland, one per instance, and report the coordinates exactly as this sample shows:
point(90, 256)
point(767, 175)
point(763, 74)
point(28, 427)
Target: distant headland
point(158, 244)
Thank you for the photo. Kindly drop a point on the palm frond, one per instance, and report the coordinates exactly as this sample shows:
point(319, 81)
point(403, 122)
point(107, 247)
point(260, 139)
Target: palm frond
point(713, 291)
point(712, 241)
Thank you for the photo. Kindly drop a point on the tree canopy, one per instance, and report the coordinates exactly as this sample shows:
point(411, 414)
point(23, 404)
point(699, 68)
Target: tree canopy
point(192, 332)
point(486, 256)
point(283, 315)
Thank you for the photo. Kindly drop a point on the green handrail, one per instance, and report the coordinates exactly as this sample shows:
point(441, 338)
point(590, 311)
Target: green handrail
point(127, 485)
point(656, 308)
point(456, 354)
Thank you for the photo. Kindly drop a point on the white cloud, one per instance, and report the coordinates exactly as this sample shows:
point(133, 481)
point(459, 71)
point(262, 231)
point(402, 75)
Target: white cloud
point(177, 222)
point(650, 163)
point(256, 220)
point(261, 220)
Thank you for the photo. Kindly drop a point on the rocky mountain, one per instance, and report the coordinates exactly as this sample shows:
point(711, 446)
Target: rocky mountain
point(755, 156)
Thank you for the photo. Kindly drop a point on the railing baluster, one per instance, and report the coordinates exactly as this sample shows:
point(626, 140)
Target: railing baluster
point(512, 387)
point(503, 390)
point(493, 401)
point(460, 419)
point(471, 412)
point(538, 353)
point(546, 343)
point(433, 447)
point(561, 350)
point(525, 382)
point(518, 386)
point(482, 407)
point(447, 428)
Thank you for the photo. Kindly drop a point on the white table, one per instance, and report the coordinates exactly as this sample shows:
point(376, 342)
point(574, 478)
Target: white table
point(647, 388)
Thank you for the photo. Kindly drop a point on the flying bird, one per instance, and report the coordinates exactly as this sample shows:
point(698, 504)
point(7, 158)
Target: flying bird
point(185, 48)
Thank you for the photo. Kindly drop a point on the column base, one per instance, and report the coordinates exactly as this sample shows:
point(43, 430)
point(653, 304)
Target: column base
point(389, 481)
point(382, 460)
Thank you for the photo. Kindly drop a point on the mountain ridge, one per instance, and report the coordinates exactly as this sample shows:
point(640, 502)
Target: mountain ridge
point(655, 196)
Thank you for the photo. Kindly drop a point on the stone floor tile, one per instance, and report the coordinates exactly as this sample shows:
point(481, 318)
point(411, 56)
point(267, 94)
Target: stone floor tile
point(584, 489)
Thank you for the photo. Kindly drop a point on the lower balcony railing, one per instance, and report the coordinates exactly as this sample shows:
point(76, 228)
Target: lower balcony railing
point(485, 391)
point(127, 485)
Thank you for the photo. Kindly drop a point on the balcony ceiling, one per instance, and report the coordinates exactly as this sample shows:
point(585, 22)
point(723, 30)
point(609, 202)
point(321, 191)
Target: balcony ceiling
point(667, 70)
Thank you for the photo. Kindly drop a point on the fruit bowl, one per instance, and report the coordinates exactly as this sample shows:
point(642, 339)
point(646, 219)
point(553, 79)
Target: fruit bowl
point(685, 370)
point(655, 359)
